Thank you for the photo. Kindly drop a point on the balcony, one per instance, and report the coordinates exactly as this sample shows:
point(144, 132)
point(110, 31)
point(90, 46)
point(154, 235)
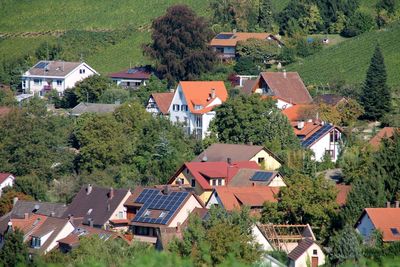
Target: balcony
point(47, 87)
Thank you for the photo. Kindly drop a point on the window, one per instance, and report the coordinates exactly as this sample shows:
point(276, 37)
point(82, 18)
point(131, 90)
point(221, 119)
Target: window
point(193, 183)
point(175, 107)
point(82, 71)
point(24, 84)
point(220, 181)
point(163, 214)
point(59, 82)
point(213, 182)
point(220, 50)
point(187, 171)
point(314, 252)
point(37, 82)
point(121, 215)
point(198, 107)
point(261, 160)
point(199, 122)
point(395, 231)
point(184, 107)
point(35, 243)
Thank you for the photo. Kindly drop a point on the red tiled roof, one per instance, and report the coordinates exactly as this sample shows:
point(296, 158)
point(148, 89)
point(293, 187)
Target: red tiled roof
point(34, 221)
point(199, 93)
point(384, 219)
point(296, 112)
point(386, 132)
point(238, 36)
point(4, 176)
point(343, 191)
point(163, 101)
point(202, 170)
point(252, 196)
point(308, 129)
point(140, 74)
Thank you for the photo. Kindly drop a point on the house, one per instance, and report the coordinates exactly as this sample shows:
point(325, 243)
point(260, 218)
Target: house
point(286, 87)
point(193, 103)
point(22, 208)
point(234, 197)
point(54, 75)
point(131, 78)
point(306, 252)
point(71, 241)
point(83, 107)
point(203, 177)
point(319, 137)
point(385, 133)
point(329, 99)
point(224, 43)
point(239, 152)
point(100, 207)
point(157, 212)
point(6, 180)
point(298, 241)
point(159, 103)
point(41, 232)
point(386, 220)
point(252, 177)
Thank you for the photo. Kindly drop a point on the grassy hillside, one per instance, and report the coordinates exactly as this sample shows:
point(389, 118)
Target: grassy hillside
point(349, 59)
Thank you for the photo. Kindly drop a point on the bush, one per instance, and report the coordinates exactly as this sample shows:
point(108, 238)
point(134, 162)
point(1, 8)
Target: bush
point(359, 23)
point(245, 65)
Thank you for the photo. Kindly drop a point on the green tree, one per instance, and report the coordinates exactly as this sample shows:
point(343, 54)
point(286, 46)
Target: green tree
point(14, 252)
point(91, 88)
point(7, 199)
point(114, 95)
point(7, 97)
point(388, 5)
point(312, 21)
point(358, 23)
point(154, 85)
point(375, 97)
point(246, 65)
point(179, 44)
point(32, 186)
point(260, 51)
point(247, 119)
point(346, 245)
point(265, 15)
point(350, 110)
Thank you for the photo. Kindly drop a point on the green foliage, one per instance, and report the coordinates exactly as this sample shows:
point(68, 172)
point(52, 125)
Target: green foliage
point(250, 119)
point(32, 185)
point(265, 15)
point(14, 252)
point(350, 110)
point(154, 85)
point(47, 51)
point(114, 95)
point(7, 97)
point(346, 245)
point(326, 163)
point(246, 65)
point(7, 198)
point(376, 97)
point(90, 89)
point(260, 51)
point(359, 23)
point(179, 44)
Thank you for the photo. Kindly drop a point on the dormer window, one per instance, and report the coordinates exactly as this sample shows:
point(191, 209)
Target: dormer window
point(198, 107)
point(35, 242)
point(82, 71)
point(162, 214)
point(147, 213)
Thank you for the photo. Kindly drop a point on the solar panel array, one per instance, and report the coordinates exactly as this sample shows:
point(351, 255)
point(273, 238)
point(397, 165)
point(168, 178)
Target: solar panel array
point(41, 65)
point(131, 71)
point(315, 136)
point(223, 36)
point(261, 176)
point(153, 199)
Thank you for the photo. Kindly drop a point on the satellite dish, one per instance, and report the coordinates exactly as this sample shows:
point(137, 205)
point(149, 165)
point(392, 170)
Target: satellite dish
point(204, 159)
point(37, 207)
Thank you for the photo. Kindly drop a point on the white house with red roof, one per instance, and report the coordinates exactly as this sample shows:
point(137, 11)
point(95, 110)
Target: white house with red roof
point(158, 103)
point(203, 177)
point(193, 104)
point(6, 180)
point(132, 77)
point(386, 220)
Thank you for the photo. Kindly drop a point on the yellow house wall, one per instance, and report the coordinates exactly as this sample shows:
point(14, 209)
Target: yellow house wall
point(270, 162)
point(187, 180)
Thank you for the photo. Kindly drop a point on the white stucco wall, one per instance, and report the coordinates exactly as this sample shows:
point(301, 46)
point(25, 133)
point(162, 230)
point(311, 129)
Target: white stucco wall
point(283, 104)
point(365, 228)
point(302, 260)
point(9, 181)
point(277, 182)
point(189, 206)
point(67, 229)
point(324, 144)
point(259, 238)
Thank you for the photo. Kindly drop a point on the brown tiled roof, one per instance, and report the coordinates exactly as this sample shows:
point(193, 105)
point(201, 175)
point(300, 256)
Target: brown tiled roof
point(385, 219)
point(343, 191)
point(45, 208)
point(386, 132)
point(302, 247)
point(139, 73)
point(243, 178)
point(329, 99)
point(236, 152)
point(54, 68)
point(98, 201)
point(93, 108)
point(248, 86)
point(163, 101)
point(238, 36)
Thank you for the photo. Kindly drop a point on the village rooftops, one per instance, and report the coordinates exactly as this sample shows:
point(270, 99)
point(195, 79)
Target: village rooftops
point(232, 38)
point(54, 68)
point(250, 177)
point(311, 132)
point(23, 207)
point(137, 73)
point(202, 96)
point(300, 112)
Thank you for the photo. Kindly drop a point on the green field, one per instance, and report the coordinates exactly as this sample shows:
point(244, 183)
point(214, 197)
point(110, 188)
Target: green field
point(349, 60)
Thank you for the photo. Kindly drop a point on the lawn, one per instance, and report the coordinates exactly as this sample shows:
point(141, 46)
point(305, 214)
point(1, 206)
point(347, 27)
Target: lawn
point(349, 60)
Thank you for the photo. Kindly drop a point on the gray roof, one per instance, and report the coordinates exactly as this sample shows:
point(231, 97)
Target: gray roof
point(45, 208)
point(243, 178)
point(53, 68)
point(93, 108)
point(302, 247)
point(96, 204)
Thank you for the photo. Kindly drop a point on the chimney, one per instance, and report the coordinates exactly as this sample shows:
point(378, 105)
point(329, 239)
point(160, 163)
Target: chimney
point(178, 227)
point(15, 200)
point(284, 73)
point(204, 159)
point(234, 30)
point(172, 90)
point(88, 189)
point(90, 222)
point(71, 218)
point(250, 143)
point(213, 95)
point(253, 184)
point(52, 214)
point(229, 161)
point(300, 125)
point(111, 193)
point(26, 216)
point(108, 207)
point(396, 204)
point(9, 227)
point(388, 204)
point(166, 190)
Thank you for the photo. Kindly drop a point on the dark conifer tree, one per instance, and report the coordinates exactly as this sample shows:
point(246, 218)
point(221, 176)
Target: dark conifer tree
point(265, 16)
point(14, 252)
point(375, 96)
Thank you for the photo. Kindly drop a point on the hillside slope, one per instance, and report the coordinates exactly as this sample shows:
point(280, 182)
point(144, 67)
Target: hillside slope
point(349, 60)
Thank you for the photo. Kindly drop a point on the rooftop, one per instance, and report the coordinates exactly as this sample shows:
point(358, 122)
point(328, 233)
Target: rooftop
point(249, 177)
point(140, 73)
point(386, 220)
point(386, 132)
point(163, 101)
point(53, 68)
point(231, 38)
point(93, 108)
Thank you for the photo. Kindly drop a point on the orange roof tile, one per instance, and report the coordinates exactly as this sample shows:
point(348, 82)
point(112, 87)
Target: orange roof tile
point(238, 36)
point(200, 93)
point(384, 219)
point(163, 101)
point(296, 112)
point(308, 129)
point(252, 196)
point(34, 221)
point(343, 191)
point(386, 132)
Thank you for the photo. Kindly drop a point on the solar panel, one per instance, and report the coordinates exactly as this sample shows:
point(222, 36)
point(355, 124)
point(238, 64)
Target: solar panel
point(223, 36)
point(131, 71)
point(41, 65)
point(153, 199)
point(394, 231)
point(317, 135)
point(261, 176)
